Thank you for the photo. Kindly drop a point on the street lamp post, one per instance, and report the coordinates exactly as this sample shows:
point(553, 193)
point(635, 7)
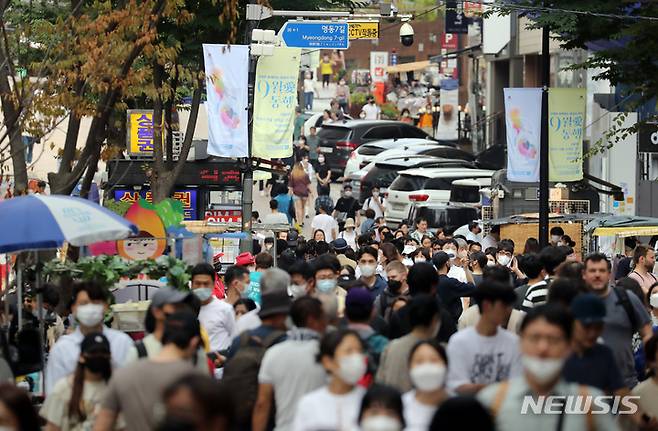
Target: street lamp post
point(543, 147)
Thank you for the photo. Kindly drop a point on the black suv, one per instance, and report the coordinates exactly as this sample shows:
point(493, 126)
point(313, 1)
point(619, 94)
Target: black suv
point(338, 140)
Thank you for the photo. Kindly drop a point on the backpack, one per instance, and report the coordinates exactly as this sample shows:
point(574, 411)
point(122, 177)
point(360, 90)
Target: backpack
point(375, 345)
point(625, 301)
point(241, 372)
point(141, 349)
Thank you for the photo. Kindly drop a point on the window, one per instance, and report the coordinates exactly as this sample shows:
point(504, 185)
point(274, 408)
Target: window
point(382, 132)
point(413, 132)
point(333, 133)
point(439, 184)
point(448, 153)
point(407, 183)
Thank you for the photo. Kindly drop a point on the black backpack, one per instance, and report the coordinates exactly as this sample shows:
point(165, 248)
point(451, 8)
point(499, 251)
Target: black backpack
point(241, 372)
point(625, 301)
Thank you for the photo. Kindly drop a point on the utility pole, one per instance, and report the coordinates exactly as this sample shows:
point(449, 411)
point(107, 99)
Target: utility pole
point(543, 146)
point(248, 179)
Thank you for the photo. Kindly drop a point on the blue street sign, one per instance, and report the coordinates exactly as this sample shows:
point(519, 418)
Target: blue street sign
point(315, 34)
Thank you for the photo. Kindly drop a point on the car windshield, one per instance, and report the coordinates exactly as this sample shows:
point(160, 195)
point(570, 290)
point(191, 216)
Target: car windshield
point(453, 217)
point(408, 183)
point(464, 194)
point(333, 133)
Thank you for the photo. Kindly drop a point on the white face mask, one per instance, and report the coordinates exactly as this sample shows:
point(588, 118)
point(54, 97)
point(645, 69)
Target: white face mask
point(375, 194)
point(555, 238)
point(321, 159)
point(653, 300)
point(297, 290)
point(348, 193)
point(351, 368)
point(368, 270)
point(90, 314)
point(203, 293)
point(543, 370)
point(491, 263)
point(428, 377)
point(451, 253)
point(420, 259)
point(503, 259)
point(380, 423)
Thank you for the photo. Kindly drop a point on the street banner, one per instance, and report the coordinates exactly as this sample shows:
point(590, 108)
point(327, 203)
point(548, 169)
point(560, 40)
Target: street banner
point(227, 75)
point(523, 121)
point(449, 117)
point(378, 65)
point(456, 20)
point(566, 107)
point(275, 99)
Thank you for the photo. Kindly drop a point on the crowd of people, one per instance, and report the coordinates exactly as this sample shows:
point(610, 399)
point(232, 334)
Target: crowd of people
point(383, 330)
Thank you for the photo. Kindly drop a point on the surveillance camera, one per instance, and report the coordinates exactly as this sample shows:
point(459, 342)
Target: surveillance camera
point(407, 34)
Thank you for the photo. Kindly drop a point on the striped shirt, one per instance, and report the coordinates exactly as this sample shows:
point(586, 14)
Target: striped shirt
point(535, 295)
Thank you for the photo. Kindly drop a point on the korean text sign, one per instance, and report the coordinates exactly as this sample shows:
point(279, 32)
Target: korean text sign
point(566, 121)
point(187, 197)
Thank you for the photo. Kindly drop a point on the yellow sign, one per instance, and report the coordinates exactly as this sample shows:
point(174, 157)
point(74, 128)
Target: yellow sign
point(140, 132)
point(364, 30)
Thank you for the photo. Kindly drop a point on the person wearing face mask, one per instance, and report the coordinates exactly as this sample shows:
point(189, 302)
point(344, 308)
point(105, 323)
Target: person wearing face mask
point(545, 344)
point(335, 406)
point(343, 96)
point(216, 316)
point(73, 402)
point(425, 324)
point(346, 207)
point(421, 230)
point(90, 302)
point(371, 110)
point(323, 176)
point(301, 279)
point(428, 366)
point(381, 410)
point(136, 391)
point(289, 369)
point(485, 353)
point(396, 274)
point(367, 260)
point(376, 203)
point(477, 261)
point(458, 260)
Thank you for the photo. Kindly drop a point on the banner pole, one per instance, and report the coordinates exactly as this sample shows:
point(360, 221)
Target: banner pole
point(543, 147)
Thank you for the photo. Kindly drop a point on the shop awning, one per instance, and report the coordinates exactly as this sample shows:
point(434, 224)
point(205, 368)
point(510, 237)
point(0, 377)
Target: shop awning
point(624, 232)
point(408, 67)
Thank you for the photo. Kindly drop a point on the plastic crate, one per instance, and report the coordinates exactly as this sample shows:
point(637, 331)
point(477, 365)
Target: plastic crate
point(129, 317)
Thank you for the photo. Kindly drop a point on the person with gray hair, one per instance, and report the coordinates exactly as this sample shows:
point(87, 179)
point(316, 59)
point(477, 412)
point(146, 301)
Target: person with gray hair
point(273, 280)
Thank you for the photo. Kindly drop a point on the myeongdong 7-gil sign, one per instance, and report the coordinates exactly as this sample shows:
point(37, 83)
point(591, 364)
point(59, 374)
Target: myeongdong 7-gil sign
point(315, 34)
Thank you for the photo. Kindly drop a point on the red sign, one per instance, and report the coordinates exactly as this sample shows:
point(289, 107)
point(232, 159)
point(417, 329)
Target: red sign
point(223, 216)
point(473, 9)
point(448, 66)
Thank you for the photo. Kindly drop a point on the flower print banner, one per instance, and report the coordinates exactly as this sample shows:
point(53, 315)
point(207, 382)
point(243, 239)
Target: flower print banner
point(566, 107)
point(523, 120)
point(275, 100)
point(227, 74)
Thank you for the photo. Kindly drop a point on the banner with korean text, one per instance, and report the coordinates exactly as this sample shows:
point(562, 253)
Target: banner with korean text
point(523, 121)
point(275, 99)
point(227, 75)
point(566, 107)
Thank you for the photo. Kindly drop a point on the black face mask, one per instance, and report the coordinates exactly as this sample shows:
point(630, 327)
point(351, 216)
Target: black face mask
point(99, 365)
point(394, 286)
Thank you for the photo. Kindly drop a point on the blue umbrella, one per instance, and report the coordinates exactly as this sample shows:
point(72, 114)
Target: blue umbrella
point(40, 222)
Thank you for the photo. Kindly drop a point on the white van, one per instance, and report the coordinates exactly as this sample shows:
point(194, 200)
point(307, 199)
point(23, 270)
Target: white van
point(427, 185)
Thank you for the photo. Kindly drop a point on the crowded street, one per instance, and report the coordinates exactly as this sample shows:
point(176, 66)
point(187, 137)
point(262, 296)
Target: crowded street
point(402, 215)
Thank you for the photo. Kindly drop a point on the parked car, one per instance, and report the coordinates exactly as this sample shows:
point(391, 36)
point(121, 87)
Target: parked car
point(366, 153)
point(338, 140)
point(443, 215)
point(384, 172)
point(312, 120)
point(428, 185)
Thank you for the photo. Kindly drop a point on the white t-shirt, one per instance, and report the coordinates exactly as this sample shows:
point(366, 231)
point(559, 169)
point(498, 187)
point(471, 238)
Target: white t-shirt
point(218, 319)
point(370, 203)
point(417, 416)
point(55, 407)
point(290, 367)
point(371, 110)
point(322, 410)
point(476, 359)
point(274, 218)
point(350, 238)
point(326, 223)
point(309, 86)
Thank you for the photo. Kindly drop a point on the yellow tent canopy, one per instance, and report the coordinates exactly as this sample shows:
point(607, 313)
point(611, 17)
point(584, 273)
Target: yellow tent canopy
point(626, 231)
point(408, 67)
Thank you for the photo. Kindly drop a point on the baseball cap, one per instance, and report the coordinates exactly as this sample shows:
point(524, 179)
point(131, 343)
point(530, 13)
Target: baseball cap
point(359, 296)
point(588, 308)
point(245, 259)
point(169, 295)
point(95, 343)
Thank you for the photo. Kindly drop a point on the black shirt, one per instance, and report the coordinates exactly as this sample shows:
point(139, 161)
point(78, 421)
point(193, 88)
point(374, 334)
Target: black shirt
point(322, 170)
point(347, 205)
point(451, 291)
point(399, 325)
point(596, 367)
